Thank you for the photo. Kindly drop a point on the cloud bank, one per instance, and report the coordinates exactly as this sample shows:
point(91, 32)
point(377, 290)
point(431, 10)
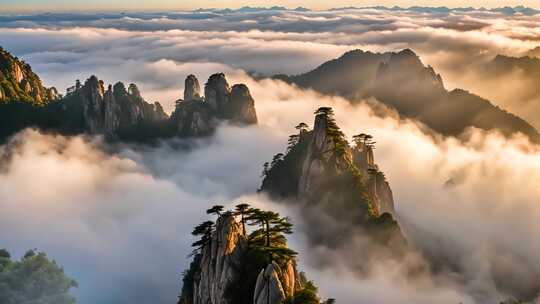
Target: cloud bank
point(118, 218)
point(120, 222)
point(157, 50)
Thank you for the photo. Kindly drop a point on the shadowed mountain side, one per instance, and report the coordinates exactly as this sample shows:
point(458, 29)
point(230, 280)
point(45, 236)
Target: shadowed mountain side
point(400, 80)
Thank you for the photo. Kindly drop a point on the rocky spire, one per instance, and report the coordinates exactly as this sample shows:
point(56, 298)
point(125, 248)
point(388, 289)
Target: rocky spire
point(133, 90)
point(323, 154)
point(217, 92)
point(228, 268)
point(192, 90)
point(219, 261)
point(242, 105)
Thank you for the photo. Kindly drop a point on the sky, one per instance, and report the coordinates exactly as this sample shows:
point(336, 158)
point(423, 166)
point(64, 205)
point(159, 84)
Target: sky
point(71, 5)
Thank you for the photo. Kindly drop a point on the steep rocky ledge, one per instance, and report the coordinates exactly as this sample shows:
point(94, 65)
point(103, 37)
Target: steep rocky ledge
point(323, 172)
point(231, 265)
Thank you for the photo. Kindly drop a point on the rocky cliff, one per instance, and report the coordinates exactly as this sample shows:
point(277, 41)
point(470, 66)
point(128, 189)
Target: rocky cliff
point(114, 110)
point(19, 83)
point(322, 171)
point(230, 268)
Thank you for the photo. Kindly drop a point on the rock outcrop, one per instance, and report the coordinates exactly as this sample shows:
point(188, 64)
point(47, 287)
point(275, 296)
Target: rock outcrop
point(192, 89)
point(117, 112)
point(220, 265)
point(275, 284)
point(199, 116)
point(18, 83)
point(114, 110)
point(341, 183)
point(218, 262)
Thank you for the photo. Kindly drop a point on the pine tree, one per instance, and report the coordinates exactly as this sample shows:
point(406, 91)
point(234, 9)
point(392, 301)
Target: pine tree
point(216, 209)
point(204, 230)
point(242, 210)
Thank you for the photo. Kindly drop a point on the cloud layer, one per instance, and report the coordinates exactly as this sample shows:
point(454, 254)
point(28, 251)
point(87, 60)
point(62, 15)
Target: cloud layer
point(119, 217)
point(157, 50)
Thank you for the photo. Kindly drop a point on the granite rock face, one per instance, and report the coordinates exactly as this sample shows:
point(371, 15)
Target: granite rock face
point(192, 89)
point(275, 284)
point(321, 157)
point(117, 108)
point(199, 116)
point(219, 261)
point(218, 265)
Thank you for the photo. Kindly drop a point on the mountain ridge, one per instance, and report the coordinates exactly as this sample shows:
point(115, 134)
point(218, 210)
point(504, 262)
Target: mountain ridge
point(400, 80)
point(121, 113)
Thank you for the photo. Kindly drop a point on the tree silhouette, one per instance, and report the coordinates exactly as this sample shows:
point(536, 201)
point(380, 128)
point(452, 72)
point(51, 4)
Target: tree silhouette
point(204, 230)
point(359, 139)
point(266, 167)
point(327, 111)
point(302, 127)
point(293, 141)
point(276, 159)
point(270, 236)
point(217, 209)
point(242, 210)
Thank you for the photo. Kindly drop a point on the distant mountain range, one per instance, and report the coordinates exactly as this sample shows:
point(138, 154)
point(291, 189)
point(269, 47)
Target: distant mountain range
point(506, 10)
point(401, 81)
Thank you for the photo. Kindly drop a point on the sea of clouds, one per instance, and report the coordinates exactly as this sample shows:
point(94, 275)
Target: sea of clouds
point(118, 217)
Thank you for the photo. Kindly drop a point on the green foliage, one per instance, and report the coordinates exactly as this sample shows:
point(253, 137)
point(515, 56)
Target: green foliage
point(282, 176)
point(307, 295)
point(241, 291)
point(204, 231)
point(217, 209)
point(33, 279)
point(270, 237)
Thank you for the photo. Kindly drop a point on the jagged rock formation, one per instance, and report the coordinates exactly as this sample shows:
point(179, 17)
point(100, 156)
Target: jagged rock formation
point(116, 112)
point(192, 89)
point(199, 116)
point(19, 83)
point(401, 81)
point(116, 109)
point(227, 270)
point(217, 264)
point(324, 172)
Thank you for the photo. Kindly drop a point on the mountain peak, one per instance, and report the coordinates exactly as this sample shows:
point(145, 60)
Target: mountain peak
point(192, 89)
point(321, 171)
